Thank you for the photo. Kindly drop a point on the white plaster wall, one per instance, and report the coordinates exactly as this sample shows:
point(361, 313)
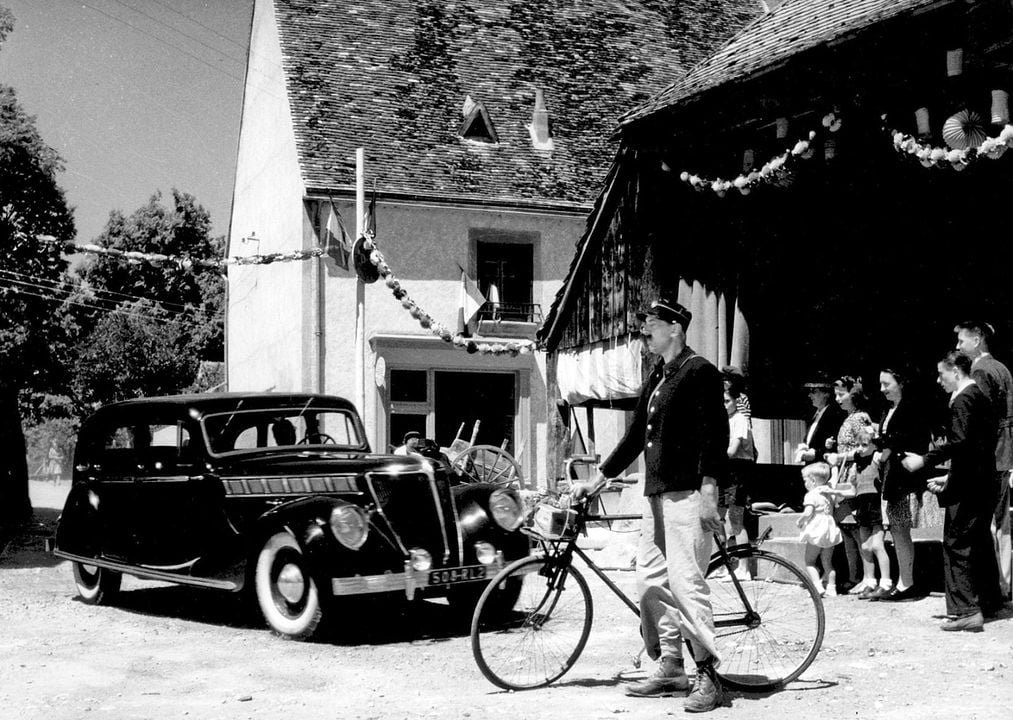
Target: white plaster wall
point(424, 244)
point(266, 323)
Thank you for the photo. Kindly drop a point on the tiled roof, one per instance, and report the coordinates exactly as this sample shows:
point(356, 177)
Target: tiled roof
point(392, 76)
point(793, 28)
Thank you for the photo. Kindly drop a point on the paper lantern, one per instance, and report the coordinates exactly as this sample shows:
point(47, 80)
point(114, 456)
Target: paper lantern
point(954, 62)
point(964, 130)
point(782, 127)
point(829, 149)
point(748, 160)
point(922, 118)
point(1000, 107)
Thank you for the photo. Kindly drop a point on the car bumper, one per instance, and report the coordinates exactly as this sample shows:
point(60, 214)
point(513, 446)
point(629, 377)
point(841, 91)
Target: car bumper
point(411, 580)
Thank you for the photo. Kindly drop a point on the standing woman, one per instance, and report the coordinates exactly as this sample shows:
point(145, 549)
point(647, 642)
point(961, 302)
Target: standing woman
point(904, 428)
point(850, 395)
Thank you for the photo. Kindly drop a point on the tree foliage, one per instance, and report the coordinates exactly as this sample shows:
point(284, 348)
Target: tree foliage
point(170, 316)
point(138, 350)
point(31, 204)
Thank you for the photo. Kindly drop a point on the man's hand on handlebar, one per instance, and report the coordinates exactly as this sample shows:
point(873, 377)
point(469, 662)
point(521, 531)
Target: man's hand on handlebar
point(580, 489)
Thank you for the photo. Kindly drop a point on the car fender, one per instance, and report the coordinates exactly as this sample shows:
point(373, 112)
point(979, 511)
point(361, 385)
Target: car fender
point(308, 521)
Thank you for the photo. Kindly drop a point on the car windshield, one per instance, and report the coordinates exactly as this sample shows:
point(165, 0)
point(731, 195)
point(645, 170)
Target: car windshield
point(290, 427)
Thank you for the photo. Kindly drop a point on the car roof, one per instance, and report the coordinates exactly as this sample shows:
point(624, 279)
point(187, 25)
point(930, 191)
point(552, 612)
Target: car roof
point(198, 405)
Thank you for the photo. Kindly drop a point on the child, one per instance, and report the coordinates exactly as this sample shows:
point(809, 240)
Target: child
point(741, 459)
point(819, 531)
point(869, 516)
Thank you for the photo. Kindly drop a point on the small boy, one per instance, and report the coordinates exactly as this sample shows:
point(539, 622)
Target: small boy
point(868, 509)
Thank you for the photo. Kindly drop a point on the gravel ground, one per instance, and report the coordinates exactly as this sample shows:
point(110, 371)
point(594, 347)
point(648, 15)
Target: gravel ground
point(169, 652)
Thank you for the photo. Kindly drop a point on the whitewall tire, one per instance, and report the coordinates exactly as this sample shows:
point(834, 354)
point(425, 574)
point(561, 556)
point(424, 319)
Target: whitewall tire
point(96, 585)
point(286, 591)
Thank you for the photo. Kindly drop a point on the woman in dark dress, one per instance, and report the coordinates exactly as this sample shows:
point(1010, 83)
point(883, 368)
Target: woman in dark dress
point(903, 428)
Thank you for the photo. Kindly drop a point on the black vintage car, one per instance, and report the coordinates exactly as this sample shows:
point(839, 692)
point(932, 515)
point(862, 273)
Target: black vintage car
point(277, 495)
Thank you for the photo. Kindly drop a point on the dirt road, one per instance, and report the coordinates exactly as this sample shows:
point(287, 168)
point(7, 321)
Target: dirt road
point(168, 652)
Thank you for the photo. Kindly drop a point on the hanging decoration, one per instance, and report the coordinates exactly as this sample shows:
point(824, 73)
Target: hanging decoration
point(364, 266)
point(512, 348)
point(776, 171)
point(185, 262)
point(964, 130)
point(956, 157)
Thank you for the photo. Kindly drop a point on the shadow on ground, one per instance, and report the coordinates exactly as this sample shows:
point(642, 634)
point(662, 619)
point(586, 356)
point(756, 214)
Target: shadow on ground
point(368, 621)
point(27, 547)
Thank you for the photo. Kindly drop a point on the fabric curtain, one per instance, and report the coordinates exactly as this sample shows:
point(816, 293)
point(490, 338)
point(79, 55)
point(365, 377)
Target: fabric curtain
point(604, 372)
point(717, 333)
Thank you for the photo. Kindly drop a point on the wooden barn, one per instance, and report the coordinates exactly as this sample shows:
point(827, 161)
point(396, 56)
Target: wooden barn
point(826, 192)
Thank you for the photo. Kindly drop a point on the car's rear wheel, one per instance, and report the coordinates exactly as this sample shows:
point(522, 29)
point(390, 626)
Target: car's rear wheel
point(96, 585)
point(286, 591)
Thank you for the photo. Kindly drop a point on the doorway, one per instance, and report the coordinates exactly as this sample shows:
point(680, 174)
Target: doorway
point(467, 397)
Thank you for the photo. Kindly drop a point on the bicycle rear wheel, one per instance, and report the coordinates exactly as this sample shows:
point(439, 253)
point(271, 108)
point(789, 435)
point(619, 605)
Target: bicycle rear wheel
point(772, 641)
point(537, 640)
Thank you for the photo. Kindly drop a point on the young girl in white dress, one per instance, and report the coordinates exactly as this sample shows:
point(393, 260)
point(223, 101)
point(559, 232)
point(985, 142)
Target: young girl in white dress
point(819, 530)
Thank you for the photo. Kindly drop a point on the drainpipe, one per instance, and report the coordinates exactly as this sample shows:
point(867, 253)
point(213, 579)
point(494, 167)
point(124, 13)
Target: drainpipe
point(359, 396)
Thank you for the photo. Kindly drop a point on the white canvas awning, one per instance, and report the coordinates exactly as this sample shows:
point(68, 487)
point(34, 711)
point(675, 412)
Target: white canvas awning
point(604, 372)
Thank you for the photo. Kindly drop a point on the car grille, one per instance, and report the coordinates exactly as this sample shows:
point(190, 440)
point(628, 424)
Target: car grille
point(420, 511)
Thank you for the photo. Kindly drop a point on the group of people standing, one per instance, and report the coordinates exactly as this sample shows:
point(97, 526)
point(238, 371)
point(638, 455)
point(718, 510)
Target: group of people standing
point(877, 473)
point(696, 454)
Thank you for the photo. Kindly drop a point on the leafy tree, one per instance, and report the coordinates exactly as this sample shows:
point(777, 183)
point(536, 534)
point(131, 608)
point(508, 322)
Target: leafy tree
point(136, 351)
point(170, 314)
point(31, 204)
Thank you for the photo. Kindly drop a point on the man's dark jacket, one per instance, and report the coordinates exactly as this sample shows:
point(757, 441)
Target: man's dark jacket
point(826, 429)
point(682, 430)
point(970, 448)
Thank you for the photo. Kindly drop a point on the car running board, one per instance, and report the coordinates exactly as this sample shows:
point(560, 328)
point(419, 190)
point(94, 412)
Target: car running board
point(149, 574)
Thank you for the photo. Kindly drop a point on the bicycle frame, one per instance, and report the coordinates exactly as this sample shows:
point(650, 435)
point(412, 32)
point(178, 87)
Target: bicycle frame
point(562, 550)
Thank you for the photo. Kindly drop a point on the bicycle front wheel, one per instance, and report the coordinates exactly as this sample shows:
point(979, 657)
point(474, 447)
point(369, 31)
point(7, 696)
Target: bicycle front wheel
point(768, 619)
point(540, 637)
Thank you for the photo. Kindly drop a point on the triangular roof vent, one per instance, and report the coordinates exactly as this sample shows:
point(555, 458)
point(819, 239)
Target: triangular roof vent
point(476, 125)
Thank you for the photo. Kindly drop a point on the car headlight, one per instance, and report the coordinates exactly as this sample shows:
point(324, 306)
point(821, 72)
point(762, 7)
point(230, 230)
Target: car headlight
point(485, 553)
point(505, 506)
point(420, 559)
point(350, 526)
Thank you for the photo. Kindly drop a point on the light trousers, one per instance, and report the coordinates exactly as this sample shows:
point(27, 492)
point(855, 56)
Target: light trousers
point(672, 560)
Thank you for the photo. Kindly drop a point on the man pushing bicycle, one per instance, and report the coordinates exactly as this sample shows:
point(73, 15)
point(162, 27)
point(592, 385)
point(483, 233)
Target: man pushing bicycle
point(681, 426)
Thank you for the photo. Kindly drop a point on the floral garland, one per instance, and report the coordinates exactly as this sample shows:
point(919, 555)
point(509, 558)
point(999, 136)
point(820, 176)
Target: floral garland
point(522, 347)
point(184, 262)
point(934, 156)
point(774, 171)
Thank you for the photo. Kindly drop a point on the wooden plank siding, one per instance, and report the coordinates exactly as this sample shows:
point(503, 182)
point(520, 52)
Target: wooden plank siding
point(611, 293)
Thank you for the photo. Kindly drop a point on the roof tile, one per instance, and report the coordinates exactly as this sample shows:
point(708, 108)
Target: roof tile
point(392, 75)
point(794, 27)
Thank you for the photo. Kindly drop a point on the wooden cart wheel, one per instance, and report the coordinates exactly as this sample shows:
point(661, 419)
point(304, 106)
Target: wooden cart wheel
point(488, 464)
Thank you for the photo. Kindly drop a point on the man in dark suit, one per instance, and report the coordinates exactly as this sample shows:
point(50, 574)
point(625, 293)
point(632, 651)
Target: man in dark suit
point(821, 435)
point(681, 426)
point(967, 493)
point(995, 380)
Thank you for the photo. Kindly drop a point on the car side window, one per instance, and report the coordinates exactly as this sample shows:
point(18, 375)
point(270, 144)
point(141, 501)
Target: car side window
point(146, 446)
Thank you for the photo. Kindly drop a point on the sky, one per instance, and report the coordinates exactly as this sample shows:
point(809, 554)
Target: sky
point(137, 96)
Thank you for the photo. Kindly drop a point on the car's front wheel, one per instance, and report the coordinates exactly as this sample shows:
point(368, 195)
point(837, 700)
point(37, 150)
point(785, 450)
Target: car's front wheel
point(286, 591)
point(96, 585)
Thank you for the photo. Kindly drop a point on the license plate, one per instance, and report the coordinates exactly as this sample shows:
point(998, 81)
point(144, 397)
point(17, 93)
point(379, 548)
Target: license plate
point(449, 576)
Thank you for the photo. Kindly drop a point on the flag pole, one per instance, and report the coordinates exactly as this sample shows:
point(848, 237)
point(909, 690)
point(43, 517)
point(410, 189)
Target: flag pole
point(360, 291)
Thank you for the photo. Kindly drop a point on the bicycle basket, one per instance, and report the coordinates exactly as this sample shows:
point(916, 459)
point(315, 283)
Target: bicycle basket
point(553, 522)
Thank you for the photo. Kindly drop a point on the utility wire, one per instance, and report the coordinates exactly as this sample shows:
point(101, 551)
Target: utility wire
point(177, 30)
point(163, 41)
point(182, 50)
point(22, 291)
point(66, 295)
point(115, 296)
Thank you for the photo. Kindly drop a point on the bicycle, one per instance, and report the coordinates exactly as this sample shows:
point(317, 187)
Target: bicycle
point(769, 627)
